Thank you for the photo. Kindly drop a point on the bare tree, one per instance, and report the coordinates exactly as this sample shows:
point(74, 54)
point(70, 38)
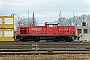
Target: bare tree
point(88, 20)
point(76, 20)
point(26, 21)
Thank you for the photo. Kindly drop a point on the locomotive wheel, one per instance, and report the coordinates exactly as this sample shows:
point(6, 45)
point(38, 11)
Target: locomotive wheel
point(68, 40)
point(36, 39)
point(56, 39)
point(16, 40)
point(24, 39)
point(62, 39)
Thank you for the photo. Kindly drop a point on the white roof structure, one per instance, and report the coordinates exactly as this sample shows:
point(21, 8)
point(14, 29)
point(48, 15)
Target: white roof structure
point(52, 23)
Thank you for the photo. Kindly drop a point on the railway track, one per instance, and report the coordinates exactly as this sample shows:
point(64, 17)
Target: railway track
point(44, 48)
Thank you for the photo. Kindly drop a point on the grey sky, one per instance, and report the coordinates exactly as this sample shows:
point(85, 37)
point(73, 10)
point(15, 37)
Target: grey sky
point(45, 10)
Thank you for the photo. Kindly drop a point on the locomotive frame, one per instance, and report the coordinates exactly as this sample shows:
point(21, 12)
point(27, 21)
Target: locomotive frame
point(51, 31)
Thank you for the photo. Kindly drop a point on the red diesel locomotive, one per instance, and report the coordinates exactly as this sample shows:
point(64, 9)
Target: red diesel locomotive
point(50, 31)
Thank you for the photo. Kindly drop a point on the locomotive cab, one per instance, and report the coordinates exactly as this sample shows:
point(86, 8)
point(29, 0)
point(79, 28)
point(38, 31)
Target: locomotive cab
point(51, 27)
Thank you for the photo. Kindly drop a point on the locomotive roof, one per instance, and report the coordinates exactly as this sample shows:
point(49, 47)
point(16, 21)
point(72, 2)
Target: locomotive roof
point(52, 23)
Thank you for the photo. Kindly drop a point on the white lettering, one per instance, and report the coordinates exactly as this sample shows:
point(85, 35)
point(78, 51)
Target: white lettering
point(36, 28)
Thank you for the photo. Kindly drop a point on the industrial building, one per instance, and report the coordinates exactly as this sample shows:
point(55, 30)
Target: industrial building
point(83, 32)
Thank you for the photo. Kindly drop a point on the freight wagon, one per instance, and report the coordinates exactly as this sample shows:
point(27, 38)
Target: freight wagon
point(50, 31)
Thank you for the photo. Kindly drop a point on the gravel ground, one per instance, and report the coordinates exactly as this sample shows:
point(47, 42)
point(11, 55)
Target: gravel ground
point(46, 57)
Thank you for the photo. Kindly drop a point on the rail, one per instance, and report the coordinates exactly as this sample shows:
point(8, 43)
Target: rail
point(44, 48)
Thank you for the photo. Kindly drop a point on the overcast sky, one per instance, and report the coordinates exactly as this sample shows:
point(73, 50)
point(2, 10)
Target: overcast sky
point(45, 10)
